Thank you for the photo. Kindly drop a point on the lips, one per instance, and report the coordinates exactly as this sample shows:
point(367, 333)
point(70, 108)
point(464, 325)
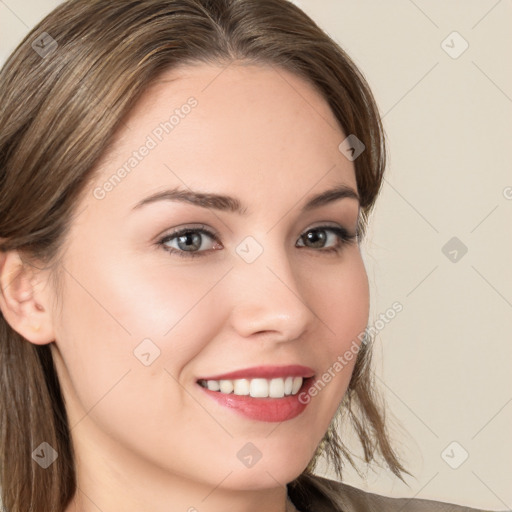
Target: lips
point(282, 406)
point(264, 372)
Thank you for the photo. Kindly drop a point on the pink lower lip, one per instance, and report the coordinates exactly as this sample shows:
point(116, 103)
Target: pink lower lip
point(263, 409)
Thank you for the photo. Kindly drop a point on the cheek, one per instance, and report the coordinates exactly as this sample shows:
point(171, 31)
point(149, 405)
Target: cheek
point(341, 298)
point(125, 338)
point(110, 309)
point(341, 295)
point(128, 315)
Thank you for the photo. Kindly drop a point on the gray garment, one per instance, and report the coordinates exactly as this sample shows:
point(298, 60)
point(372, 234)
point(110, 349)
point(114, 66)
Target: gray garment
point(311, 493)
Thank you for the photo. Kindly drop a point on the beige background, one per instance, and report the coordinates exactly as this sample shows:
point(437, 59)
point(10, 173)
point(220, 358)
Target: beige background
point(444, 361)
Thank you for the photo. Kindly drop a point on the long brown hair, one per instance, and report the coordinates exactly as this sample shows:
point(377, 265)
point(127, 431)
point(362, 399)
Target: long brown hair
point(63, 95)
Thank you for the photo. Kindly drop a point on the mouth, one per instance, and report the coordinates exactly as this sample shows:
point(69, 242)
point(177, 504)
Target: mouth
point(256, 388)
point(270, 394)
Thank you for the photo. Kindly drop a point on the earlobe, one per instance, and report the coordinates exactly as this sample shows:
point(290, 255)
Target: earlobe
point(24, 299)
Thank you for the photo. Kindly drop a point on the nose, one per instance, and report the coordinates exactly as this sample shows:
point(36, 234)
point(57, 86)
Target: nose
point(268, 299)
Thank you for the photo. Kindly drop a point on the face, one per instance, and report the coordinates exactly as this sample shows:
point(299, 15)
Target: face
point(169, 288)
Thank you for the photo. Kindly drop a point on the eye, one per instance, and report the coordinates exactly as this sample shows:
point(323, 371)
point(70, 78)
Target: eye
point(190, 242)
point(326, 238)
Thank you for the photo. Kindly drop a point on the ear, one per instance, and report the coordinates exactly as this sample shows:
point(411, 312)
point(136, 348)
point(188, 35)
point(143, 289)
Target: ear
point(25, 298)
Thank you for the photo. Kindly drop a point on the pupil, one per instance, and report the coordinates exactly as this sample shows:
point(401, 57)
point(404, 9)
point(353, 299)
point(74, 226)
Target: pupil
point(316, 237)
point(190, 241)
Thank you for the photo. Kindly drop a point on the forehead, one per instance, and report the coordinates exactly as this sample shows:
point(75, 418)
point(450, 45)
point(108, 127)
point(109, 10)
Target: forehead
point(246, 130)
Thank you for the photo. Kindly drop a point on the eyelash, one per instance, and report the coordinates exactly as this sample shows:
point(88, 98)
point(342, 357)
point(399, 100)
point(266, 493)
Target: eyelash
point(344, 236)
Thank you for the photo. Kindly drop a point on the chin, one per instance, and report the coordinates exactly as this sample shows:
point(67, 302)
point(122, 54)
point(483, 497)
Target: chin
point(252, 481)
point(278, 469)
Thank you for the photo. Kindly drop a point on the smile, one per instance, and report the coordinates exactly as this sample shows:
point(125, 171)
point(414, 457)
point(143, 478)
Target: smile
point(257, 388)
point(263, 393)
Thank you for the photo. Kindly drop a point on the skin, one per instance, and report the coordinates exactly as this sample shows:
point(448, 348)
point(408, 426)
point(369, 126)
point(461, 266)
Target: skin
point(147, 437)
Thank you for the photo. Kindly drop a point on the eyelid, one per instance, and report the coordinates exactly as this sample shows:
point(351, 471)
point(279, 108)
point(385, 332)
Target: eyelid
point(350, 233)
point(199, 228)
point(334, 225)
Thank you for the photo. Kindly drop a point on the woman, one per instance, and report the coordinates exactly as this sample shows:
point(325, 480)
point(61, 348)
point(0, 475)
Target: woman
point(184, 187)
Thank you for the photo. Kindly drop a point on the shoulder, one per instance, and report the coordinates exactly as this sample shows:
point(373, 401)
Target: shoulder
point(312, 493)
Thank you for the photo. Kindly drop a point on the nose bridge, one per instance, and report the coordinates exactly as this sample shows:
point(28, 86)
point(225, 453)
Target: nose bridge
point(266, 294)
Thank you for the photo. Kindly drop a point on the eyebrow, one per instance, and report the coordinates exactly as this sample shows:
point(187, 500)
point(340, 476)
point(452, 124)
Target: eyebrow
point(232, 204)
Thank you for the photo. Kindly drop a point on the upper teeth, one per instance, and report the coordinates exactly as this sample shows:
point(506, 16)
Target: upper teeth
point(257, 388)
